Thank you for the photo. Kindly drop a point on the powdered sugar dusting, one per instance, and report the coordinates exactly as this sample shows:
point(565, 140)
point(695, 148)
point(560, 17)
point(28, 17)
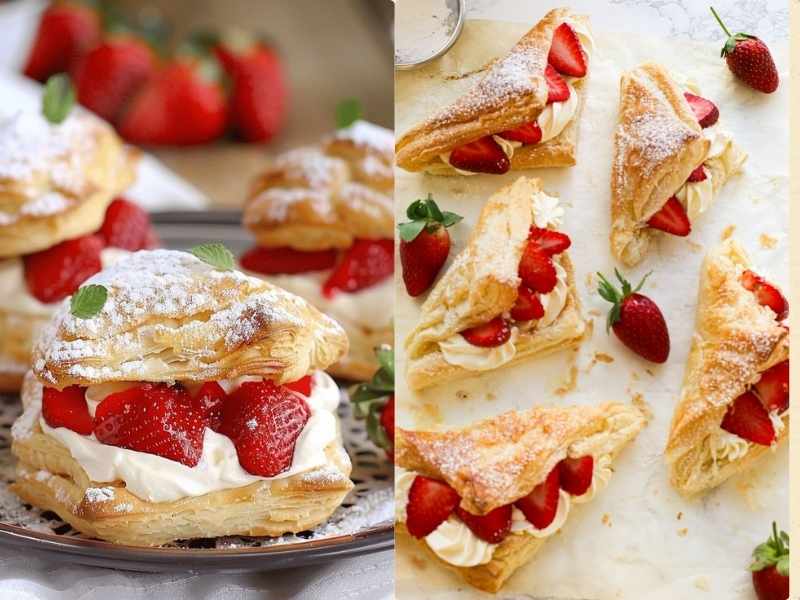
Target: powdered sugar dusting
point(364, 133)
point(103, 494)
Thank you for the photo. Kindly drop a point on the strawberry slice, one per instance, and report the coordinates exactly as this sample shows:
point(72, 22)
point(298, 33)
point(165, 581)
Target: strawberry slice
point(706, 111)
point(481, 156)
point(55, 273)
point(489, 335)
point(285, 260)
point(528, 307)
point(67, 408)
point(154, 418)
point(264, 421)
point(387, 422)
point(748, 419)
point(671, 219)
point(566, 54)
point(492, 527)
point(541, 505)
point(529, 133)
point(699, 174)
point(773, 388)
point(430, 502)
point(766, 294)
point(304, 385)
point(208, 402)
point(364, 264)
point(557, 88)
point(549, 241)
point(127, 226)
point(576, 474)
point(536, 269)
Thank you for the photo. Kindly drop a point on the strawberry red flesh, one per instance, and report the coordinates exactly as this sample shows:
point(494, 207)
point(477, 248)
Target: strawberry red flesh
point(481, 156)
point(698, 175)
point(773, 388)
point(748, 419)
point(364, 264)
point(557, 88)
point(672, 219)
point(430, 503)
point(423, 257)
point(304, 385)
point(536, 269)
point(576, 474)
point(541, 505)
point(127, 226)
point(529, 133)
point(769, 584)
point(67, 408)
point(489, 335)
point(566, 54)
point(766, 294)
point(208, 402)
point(285, 260)
point(56, 273)
point(387, 422)
point(704, 110)
point(528, 307)
point(549, 241)
point(642, 328)
point(492, 527)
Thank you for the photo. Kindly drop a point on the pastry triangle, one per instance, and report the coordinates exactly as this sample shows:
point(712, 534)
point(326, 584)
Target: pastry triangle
point(482, 283)
point(736, 339)
point(497, 461)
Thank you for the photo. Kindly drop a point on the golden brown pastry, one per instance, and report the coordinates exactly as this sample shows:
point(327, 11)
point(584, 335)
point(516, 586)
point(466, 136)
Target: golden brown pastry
point(472, 320)
point(734, 400)
point(522, 469)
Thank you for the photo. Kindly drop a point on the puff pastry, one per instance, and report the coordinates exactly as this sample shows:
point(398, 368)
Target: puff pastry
point(658, 143)
point(327, 196)
point(170, 317)
point(513, 92)
point(498, 461)
point(736, 339)
point(482, 283)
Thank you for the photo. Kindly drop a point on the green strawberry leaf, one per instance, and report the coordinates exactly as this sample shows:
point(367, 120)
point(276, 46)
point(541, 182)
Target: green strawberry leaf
point(385, 355)
point(347, 112)
point(215, 254)
point(410, 230)
point(450, 218)
point(88, 301)
point(59, 98)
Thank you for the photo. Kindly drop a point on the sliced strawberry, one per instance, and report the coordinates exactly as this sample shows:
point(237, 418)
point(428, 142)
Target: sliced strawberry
point(529, 133)
point(671, 219)
point(364, 264)
point(492, 527)
point(541, 505)
point(264, 421)
point(56, 273)
point(481, 156)
point(576, 474)
point(154, 418)
point(549, 241)
point(706, 111)
point(748, 419)
point(208, 402)
point(67, 408)
point(528, 307)
point(127, 226)
point(699, 174)
point(489, 335)
point(773, 388)
point(304, 385)
point(566, 54)
point(557, 88)
point(387, 422)
point(536, 269)
point(285, 260)
point(430, 502)
point(766, 294)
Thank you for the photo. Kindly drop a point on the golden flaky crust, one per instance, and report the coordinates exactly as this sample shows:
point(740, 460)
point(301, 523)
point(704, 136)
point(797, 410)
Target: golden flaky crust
point(172, 317)
point(360, 364)
point(482, 283)
point(735, 340)
point(44, 202)
point(657, 144)
point(326, 195)
point(513, 92)
point(17, 332)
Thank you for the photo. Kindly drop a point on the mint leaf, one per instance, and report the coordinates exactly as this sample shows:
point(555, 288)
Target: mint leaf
point(214, 254)
point(347, 112)
point(59, 98)
point(88, 301)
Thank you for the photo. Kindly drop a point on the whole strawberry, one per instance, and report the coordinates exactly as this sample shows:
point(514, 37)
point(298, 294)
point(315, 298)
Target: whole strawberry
point(374, 401)
point(770, 567)
point(636, 319)
point(424, 243)
point(749, 59)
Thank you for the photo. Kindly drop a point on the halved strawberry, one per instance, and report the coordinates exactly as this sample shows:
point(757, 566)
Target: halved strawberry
point(154, 418)
point(748, 419)
point(481, 156)
point(127, 226)
point(773, 387)
point(671, 219)
point(264, 421)
point(528, 306)
point(536, 269)
point(541, 505)
point(529, 133)
point(285, 260)
point(766, 294)
point(304, 385)
point(364, 264)
point(492, 527)
point(576, 474)
point(67, 408)
point(557, 88)
point(549, 241)
point(430, 502)
point(55, 273)
point(699, 174)
point(489, 335)
point(566, 54)
point(208, 402)
point(706, 111)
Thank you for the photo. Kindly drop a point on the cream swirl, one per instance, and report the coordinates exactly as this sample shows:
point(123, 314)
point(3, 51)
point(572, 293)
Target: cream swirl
point(600, 476)
point(724, 445)
point(458, 351)
point(402, 485)
point(555, 117)
point(547, 211)
point(778, 424)
point(519, 524)
point(454, 543)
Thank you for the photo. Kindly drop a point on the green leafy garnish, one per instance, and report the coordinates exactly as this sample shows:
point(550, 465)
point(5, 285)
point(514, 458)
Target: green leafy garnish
point(425, 214)
point(608, 292)
point(347, 112)
point(88, 301)
point(773, 553)
point(214, 254)
point(59, 98)
point(370, 399)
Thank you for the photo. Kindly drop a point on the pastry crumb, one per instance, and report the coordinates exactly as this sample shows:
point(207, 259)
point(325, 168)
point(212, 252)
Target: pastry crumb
point(701, 583)
point(606, 520)
point(639, 402)
point(694, 246)
point(650, 372)
point(570, 384)
point(596, 312)
point(683, 532)
point(462, 395)
point(603, 357)
point(767, 241)
point(590, 283)
point(679, 516)
point(728, 232)
point(491, 396)
point(634, 376)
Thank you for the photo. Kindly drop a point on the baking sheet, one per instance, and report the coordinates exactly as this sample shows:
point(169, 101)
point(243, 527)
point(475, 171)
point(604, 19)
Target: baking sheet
point(638, 539)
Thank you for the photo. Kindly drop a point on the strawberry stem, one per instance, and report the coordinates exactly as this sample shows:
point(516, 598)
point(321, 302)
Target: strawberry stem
point(721, 24)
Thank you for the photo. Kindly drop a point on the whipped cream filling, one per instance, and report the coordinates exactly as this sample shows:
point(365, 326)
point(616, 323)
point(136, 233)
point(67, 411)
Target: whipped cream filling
point(724, 446)
point(157, 479)
point(553, 301)
point(547, 211)
point(456, 350)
